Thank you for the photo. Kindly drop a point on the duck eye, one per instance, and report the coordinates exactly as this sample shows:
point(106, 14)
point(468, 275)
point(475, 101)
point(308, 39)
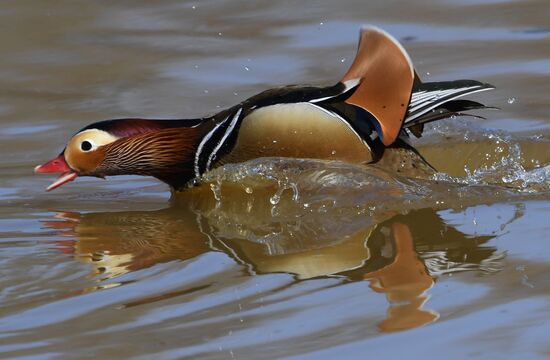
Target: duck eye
point(86, 145)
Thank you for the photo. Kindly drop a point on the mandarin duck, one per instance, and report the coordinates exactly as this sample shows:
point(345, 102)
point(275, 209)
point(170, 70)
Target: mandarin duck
point(366, 118)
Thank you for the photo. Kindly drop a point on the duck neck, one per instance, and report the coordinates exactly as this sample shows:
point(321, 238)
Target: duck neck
point(167, 154)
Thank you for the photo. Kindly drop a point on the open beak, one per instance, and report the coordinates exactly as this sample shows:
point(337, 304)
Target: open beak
point(57, 165)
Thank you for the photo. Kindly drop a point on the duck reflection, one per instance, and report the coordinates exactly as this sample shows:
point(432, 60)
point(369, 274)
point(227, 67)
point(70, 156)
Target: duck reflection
point(119, 242)
point(399, 255)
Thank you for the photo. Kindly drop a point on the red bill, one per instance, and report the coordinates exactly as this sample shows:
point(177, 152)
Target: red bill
point(57, 165)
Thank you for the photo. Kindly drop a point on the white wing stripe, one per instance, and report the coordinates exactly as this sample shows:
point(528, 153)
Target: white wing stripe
point(419, 95)
point(348, 85)
point(342, 120)
point(434, 96)
point(435, 104)
point(425, 94)
point(436, 93)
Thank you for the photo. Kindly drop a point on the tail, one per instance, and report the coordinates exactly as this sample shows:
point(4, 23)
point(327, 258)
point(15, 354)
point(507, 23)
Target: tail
point(437, 100)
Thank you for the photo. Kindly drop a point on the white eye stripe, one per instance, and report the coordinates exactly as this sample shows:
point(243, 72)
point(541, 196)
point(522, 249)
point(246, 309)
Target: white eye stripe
point(95, 137)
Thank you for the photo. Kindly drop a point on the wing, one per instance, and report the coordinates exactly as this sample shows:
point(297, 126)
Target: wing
point(221, 139)
point(429, 96)
point(386, 77)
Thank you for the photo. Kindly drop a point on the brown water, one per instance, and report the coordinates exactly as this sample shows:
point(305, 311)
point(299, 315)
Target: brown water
point(273, 258)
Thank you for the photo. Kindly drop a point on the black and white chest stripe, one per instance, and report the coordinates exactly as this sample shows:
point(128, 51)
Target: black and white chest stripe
point(213, 141)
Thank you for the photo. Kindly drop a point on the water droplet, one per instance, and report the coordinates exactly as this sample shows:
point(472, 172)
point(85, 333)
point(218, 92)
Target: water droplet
point(428, 73)
point(321, 23)
point(295, 193)
point(193, 7)
point(216, 190)
point(220, 34)
point(235, 94)
point(196, 66)
point(511, 100)
point(342, 60)
point(247, 68)
point(274, 200)
point(333, 152)
point(525, 281)
point(248, 190)
point(275, 211)
point(274, 141)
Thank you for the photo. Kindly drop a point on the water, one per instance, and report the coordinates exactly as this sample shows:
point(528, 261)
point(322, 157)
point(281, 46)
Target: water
point(272, 258)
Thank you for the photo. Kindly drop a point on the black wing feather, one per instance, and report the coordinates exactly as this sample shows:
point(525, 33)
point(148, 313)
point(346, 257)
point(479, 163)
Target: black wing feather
point(430, 96)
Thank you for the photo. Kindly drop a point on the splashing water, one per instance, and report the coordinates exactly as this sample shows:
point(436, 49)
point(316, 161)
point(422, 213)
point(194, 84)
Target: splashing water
point(509, 166)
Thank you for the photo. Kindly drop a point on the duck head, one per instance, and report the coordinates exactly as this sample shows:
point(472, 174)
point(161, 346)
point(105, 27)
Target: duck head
point(160, 148)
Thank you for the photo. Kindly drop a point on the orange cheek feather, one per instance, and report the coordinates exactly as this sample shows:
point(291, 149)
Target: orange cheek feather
point(86, 163)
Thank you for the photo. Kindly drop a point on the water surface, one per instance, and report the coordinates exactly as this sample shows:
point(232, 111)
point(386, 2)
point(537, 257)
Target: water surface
point(273, 258)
